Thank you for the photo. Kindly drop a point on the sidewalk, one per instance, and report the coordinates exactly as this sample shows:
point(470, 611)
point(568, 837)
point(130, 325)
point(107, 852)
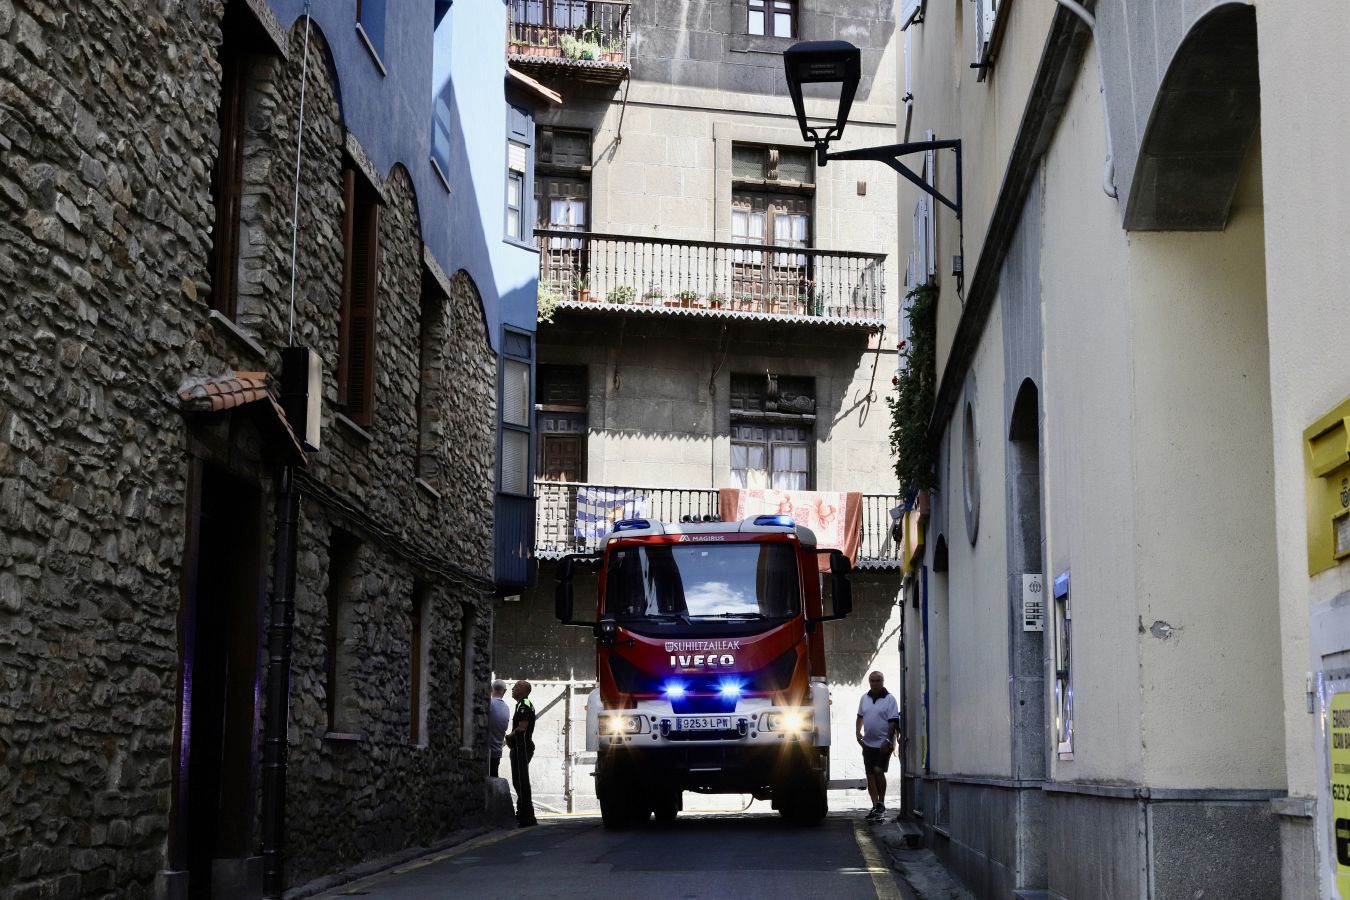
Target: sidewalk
point(918, 868)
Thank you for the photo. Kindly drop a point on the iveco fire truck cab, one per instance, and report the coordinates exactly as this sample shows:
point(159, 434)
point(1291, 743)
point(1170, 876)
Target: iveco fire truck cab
point(710, 664)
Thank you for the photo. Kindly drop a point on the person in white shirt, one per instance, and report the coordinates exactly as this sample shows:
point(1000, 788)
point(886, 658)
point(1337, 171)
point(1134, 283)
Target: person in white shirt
point(499, 716)
point(878, 724)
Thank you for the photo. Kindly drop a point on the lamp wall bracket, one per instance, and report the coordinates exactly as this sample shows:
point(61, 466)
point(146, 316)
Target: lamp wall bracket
point(890, 155)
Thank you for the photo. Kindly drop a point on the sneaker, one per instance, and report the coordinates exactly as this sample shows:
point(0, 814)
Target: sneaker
point(877, 814)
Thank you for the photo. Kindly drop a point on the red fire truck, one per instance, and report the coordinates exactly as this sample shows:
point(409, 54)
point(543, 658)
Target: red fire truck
point(710, 664)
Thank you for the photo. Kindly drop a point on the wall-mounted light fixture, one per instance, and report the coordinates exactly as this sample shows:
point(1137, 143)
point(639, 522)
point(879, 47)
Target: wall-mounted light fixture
point(836, 66)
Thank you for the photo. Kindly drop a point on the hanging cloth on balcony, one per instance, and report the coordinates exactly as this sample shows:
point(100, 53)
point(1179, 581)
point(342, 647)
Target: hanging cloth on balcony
point(834, 516)
point(598, 508)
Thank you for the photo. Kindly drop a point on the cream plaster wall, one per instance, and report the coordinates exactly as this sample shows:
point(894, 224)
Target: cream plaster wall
point(1303, 83)
point(1208, 609)
point(977, 584)
point(984, 114)
point(1087, 442)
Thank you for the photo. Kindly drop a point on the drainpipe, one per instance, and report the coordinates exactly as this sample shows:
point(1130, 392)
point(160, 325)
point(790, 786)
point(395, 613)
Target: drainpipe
point(280, 627)
point(1109, 169)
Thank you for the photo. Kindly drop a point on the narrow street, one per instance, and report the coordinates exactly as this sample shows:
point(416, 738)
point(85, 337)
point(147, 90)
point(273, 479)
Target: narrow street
point(700, 856)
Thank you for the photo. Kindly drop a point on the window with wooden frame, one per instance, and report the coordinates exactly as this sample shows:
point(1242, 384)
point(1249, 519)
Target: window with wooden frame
point(773, 192)
point(227, 176)
point(519, 147)
point(562, 392)
point(562, 189)
point(516, 412)
point(773, 432)
point(773, 18)
point(360, 283)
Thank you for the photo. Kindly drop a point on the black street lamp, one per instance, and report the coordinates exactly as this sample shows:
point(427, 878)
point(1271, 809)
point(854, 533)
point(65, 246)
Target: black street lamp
point(838, 66)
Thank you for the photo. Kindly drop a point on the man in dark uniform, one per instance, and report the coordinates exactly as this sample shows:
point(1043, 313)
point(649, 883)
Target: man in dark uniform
point(521, 741)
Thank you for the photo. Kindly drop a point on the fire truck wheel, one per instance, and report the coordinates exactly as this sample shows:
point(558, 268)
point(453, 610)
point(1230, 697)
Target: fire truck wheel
point(666, 807)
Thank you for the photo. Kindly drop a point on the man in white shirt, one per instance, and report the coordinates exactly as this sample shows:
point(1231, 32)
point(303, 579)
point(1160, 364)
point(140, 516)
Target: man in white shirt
point(499, 716)
point(878, 724)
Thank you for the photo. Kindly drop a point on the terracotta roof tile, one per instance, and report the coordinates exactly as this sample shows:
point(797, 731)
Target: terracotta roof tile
point(232, 390)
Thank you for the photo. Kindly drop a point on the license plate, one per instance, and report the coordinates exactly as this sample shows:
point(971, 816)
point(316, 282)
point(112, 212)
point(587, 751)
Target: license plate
point(703, 723)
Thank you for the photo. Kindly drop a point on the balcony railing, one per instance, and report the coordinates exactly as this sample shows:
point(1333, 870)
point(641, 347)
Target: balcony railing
point(560, 528)
point(588, 38)
point(716, 276)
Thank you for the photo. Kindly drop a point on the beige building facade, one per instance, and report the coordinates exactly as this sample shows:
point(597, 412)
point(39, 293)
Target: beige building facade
point(716, 312)
point(1139, 432)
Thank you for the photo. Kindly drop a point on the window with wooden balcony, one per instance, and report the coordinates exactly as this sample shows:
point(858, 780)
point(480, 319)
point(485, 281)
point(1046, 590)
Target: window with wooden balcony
point(360, 277)
point(563, 201)
point(773, 193)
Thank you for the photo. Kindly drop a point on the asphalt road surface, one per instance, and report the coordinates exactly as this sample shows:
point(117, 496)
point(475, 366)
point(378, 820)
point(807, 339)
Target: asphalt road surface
point(701, 856)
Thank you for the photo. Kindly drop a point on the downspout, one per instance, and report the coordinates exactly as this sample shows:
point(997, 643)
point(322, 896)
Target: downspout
point(1109, 169)
point(281, 618)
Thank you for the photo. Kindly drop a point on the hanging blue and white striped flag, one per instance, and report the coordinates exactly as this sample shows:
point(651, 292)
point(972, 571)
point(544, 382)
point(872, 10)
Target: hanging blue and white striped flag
point(598, 508)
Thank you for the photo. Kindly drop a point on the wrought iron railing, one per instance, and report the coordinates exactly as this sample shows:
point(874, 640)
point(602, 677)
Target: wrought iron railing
point(560, 528)
point(587, 32)
point(714, 275)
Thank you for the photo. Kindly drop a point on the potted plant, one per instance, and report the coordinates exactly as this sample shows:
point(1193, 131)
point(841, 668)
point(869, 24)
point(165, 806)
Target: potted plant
point(716, 300)
point(581, 288)
point(654, 296)
point(547, 303)
point(688, 299)
point(747, 302)
point(621, 294)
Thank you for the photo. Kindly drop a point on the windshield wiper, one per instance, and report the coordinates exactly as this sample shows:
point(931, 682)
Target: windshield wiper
point(732, 615)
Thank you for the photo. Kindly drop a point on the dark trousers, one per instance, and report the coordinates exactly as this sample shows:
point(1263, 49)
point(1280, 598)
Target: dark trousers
point(495, 766)
point(520, 780)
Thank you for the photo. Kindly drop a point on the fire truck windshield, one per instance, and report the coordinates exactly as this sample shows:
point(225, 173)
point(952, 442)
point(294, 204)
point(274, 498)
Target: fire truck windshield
point(684, 582)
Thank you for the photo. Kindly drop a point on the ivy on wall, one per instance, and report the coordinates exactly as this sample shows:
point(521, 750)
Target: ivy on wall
point(916, 392)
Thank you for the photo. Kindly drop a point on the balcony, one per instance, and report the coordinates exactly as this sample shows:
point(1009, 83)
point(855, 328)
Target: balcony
point(559, 531)
point(591, 272)
point(582, 39)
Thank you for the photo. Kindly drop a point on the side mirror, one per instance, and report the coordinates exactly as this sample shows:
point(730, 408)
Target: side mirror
point(606, 630)
point(841, 590)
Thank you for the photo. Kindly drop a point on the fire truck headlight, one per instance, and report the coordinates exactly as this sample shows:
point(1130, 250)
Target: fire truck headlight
point(788, 722)
point(674, 690)
point(621, 725)
point(730, 688)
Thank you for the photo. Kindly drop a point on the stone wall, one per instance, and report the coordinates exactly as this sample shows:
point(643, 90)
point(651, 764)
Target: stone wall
point(107, 140)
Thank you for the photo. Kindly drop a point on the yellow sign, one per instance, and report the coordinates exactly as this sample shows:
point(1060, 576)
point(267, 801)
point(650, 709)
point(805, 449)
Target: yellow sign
point(1338, 734)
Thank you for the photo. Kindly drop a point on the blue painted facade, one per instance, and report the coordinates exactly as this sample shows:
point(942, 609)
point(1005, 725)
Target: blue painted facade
point(427, 52)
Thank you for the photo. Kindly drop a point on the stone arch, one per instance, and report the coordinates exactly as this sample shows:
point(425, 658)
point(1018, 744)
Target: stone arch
point(1202, 124)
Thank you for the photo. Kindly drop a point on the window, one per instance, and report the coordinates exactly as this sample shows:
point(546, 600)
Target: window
point(519, 142)
point(970, 473)
point(773, 17)
point(370, 22)
point(562, 423)
point(772, 432)
point(431, 393)
point(517, 352)
point(772, 197)
point(562, 191)
point(564, 14)
point(515, 192)
point(344, 591)
point(468, 632)
point(420, 616)
point(440, 134)
point(360, 277)
point(227, 177)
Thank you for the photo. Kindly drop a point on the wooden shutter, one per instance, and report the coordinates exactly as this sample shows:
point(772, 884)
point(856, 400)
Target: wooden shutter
point(229, 176)
point(361, 225)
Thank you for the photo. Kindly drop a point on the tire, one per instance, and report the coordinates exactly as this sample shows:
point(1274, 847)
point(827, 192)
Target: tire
point(666, 807)
point(619, 804)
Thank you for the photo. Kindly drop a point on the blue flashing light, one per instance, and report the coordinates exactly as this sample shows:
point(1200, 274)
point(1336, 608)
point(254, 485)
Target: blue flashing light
point(783, 521)
point(631, 524)
point(674, 690)
point(730, 688)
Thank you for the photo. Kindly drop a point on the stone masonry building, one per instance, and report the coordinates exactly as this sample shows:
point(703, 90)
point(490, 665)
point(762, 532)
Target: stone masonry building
point(147, 173)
